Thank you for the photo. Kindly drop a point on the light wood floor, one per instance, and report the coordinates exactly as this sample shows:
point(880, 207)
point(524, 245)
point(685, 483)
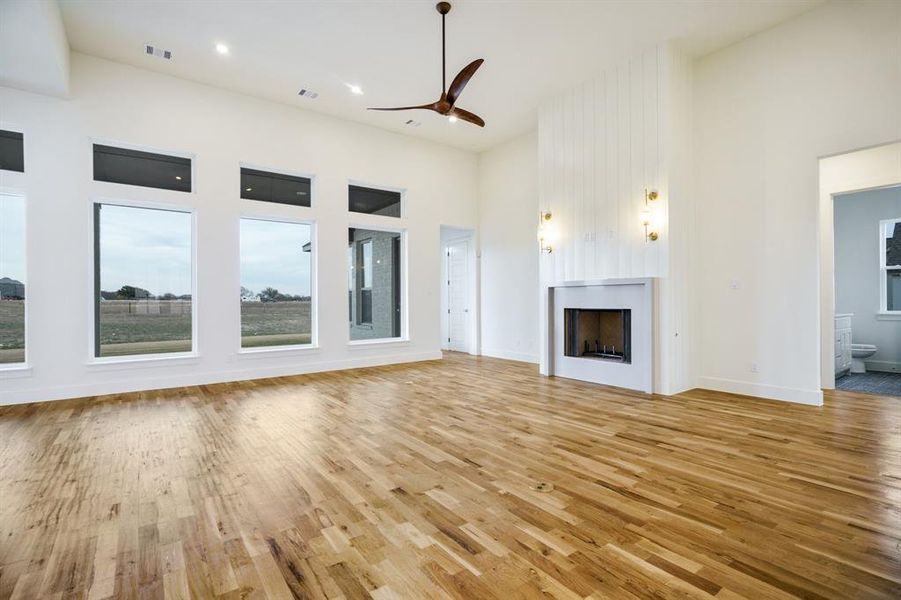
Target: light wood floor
point(416, 481)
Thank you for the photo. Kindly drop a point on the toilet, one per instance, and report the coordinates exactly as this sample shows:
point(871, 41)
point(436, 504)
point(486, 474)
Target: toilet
point(859, 352)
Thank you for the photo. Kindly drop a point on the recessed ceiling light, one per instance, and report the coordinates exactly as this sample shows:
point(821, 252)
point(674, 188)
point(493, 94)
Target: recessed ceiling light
point(452, 119)
point(222, 49)
point(355, 89)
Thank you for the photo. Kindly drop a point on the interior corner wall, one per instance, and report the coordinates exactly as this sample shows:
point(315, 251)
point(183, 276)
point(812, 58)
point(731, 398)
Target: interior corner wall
point(508, 250)
point(765, 110)
point(118, 103)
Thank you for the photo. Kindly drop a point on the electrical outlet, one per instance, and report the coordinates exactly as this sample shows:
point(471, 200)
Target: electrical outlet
point(755, 368)
point(734, 284)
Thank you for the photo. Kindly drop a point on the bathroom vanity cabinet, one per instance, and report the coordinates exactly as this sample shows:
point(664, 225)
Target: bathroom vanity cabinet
point(842, 344)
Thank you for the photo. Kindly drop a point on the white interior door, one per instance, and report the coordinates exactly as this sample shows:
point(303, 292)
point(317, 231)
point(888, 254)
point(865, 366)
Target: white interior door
point(457, 295)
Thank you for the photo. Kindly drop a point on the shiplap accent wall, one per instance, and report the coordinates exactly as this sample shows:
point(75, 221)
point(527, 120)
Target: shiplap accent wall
point(598, 149)
point(600, 146)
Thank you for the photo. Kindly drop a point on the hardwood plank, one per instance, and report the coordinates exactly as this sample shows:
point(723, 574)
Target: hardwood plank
point(418, 481)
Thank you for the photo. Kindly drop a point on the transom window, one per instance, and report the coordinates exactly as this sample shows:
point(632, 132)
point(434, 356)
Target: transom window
point(275, 187)
point(12, 151)
point(374, 201)
point(144, 169)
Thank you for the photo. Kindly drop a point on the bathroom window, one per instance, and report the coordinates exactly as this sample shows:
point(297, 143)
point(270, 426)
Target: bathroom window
point(890, 266)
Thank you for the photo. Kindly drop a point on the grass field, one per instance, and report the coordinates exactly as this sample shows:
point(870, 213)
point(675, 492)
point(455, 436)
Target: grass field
point(12, 331)
point(275, 323)
point(123, 332)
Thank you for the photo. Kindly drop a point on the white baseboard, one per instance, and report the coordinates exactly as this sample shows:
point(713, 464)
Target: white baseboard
point(192, 379)
point(517, 356)
point(885, 366)
point(770, 392)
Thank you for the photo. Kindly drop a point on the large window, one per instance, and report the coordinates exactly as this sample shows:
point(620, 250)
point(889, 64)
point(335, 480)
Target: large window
point(890, 265)
point(373, 201)
point(374, 266)
point(12, 279)
point(145, 169)
point(276, 283)
point(143, 280)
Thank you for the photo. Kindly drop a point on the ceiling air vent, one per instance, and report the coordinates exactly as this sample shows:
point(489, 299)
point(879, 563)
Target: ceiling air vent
point(157, 52)
point(308, 94)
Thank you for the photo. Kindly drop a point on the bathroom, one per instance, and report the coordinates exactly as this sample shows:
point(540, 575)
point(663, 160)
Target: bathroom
point(868, 291)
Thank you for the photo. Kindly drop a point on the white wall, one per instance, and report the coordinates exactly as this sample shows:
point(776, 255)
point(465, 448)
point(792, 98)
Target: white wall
point(857, 285)
point(765, 109)
point(125, 104)
point(508, 218)
point(34, 50)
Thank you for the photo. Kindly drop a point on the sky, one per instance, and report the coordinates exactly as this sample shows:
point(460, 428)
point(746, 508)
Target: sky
point(272, 256)
point(12, 237)
point(146, 248)
point(151, 249)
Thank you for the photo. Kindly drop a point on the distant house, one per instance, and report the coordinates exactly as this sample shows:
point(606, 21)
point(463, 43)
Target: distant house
point(11, 288)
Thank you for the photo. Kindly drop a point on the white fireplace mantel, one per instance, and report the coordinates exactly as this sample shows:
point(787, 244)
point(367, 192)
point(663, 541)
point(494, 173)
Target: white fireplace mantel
point(633, 293)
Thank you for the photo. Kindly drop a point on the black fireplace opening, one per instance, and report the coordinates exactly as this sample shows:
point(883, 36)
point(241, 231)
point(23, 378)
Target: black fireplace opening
point(598, 333)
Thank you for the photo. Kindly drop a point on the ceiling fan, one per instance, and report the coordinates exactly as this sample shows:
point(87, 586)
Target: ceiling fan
point(449, 95)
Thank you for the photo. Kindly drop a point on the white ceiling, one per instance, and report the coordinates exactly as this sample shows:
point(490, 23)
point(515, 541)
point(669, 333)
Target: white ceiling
point(532, 50)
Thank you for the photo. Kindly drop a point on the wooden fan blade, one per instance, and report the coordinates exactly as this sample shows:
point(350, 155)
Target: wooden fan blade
point(465, 115)
point(462, 78)
point(432, 106)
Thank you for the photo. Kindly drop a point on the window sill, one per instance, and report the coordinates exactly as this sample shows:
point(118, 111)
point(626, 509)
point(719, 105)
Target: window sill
point(888, 316)
point(277, 350)
point(125, 362)
point(15, 371)
point(379, 342)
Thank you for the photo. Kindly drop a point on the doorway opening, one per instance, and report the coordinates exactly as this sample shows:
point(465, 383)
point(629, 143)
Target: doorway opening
point(459, 325)
point(860, 279)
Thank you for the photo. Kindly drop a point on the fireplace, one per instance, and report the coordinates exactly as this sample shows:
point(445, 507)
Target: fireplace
point(602, 331)
point(598, 334)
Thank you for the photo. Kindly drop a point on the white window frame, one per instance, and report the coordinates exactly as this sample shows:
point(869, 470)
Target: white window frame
point(404, 286)
point(314, 281)
point(194, 353)
point(884, 269)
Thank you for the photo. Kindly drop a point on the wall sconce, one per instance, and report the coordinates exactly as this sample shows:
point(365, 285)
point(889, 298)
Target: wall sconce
point(646, 216)
point(545, 232)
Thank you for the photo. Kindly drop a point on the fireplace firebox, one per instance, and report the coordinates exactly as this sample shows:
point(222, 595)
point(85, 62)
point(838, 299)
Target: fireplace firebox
point(598, 333)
